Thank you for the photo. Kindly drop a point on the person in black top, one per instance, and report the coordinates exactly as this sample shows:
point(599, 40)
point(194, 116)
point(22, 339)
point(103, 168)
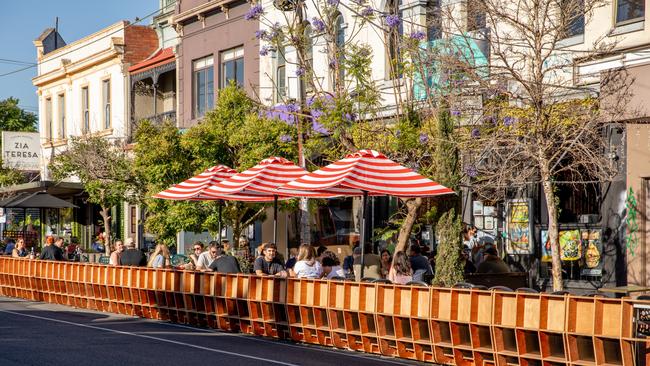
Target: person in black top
point(224, 263)
point(419, 263)
point(268, 264)
point(53, 252)
point(132, 256)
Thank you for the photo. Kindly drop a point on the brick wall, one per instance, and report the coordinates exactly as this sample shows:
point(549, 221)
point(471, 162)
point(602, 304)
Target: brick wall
point(141, 42)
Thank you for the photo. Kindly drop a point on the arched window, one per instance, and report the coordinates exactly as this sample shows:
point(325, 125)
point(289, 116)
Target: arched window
point(340, 45)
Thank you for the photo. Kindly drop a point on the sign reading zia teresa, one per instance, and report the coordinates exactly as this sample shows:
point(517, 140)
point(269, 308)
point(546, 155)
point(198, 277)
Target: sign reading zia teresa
point(21, 150)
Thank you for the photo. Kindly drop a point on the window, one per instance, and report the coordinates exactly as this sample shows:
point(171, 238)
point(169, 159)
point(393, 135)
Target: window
point(61, 103)
point(433, 19)
point(475, 15)
point(106, 102)
point(85, 105)
point(280, 75)
point(232, 67)
point(48, 119)
point(203, 86)
point(573, 17)
point(133, 220)
point(340, 46)
point(309, 56)
point(628, 11)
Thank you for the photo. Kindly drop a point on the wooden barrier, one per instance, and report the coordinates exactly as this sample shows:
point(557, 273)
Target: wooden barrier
point(441, 325)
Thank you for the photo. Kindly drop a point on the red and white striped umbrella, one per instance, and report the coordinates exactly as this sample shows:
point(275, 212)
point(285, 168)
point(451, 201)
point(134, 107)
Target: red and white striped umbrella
point(265, 178)
point(368, 171)
point(193, 188)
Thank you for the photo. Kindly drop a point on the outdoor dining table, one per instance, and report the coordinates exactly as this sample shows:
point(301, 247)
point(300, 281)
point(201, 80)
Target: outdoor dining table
point(621, 291)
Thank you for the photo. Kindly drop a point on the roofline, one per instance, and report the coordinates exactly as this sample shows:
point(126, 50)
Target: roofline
point(53, 54)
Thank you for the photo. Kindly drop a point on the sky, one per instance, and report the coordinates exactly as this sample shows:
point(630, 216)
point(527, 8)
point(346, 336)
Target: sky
point(21, 22)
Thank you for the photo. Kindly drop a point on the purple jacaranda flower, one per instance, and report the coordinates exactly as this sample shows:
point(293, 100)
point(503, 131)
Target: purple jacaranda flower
point(316, 114)
point(284, 112)
point(318, 25)
point(393, 20)
point(293, 107)
point(319, 128)
point(286, 138)
point(476, 133)
point(424, 138)
point(419, 35)
point(333, 2)
point(489, 119)
point(254, 12)
point(300, 71)
point(264, 50)
point(350, 117)
point(455, 112)
point(398, 133)
point(367, 11)
point(508, 121)
point(471, 171)
point(261, 34)
point(333, 63)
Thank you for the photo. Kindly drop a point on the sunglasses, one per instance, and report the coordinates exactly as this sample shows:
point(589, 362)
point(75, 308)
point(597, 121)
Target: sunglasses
point(213, 252)
point(197, 248)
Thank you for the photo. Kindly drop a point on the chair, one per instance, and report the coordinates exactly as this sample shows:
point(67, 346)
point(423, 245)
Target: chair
point(178, 259)
point(463, 285)
point(643, 297)
point(417, 283)
point(501, 288)
point(84, 258)
point(560, 293)
point(338, 278)
point(595, 294)
point(368, 279)
point(381, 280)
point(479, 287)
point(104, 259)
point(528, 290)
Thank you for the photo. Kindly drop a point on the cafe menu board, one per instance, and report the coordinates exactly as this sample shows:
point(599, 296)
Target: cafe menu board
point(518, 228)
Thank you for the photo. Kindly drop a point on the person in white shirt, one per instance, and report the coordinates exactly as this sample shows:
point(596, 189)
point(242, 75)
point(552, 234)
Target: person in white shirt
point(206, 258)
point(307, 266)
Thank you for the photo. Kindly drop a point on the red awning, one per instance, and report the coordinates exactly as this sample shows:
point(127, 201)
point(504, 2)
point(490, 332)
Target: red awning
point(161, 57)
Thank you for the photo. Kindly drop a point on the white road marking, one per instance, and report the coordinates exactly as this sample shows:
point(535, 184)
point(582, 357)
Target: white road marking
point(148, 337)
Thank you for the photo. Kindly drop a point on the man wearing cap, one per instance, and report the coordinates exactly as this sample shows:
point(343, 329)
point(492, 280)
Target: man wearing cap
point(492, 263)
point(225, 263)
point(132, 256)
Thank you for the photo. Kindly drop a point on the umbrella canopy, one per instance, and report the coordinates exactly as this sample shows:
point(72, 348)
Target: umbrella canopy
point(368, 171)
point(193, 188)
point(37, 200)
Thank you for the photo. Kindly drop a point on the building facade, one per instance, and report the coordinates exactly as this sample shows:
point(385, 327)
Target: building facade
point(217, 46)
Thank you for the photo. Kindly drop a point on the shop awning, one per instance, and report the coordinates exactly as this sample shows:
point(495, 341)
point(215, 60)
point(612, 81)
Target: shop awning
point(59, 189)
point(35, 200)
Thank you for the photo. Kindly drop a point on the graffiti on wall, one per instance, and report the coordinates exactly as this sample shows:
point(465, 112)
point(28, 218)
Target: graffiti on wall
point(632, 238)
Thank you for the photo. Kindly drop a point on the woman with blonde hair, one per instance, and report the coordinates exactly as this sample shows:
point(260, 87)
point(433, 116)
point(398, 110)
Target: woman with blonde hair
point(307, 266)
point(19, 250)
point(160, 257)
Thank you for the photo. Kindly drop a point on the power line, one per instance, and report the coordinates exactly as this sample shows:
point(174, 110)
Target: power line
point(15, 62)
point(136, 21)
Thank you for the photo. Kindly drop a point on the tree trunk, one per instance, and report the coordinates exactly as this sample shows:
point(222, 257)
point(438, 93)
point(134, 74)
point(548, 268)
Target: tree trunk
point(412, 205)
point(556, 264)
point(105, 212)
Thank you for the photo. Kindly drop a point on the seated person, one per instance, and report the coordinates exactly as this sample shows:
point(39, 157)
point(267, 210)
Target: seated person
point(206, 258)
point(371, 263)
point(132, 256)
point(331, 265)
point(268, 264)
point(225, 263)
point(492, 263)
point(419, 263)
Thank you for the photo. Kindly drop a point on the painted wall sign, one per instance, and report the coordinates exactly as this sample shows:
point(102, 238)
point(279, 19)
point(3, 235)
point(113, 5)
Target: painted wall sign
point(21, 150)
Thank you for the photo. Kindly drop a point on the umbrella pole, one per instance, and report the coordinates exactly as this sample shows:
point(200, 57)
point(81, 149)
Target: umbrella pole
point(362, 232)
point(219, 223)
point(275, 219)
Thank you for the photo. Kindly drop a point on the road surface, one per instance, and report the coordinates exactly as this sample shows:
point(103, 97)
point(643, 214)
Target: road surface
point(34, 333)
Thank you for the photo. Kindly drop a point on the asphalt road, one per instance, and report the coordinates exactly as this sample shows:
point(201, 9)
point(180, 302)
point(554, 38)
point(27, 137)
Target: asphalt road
point(34, 333)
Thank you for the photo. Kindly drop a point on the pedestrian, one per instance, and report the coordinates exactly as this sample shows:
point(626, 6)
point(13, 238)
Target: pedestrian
point(160, 257)
point(419, 263)
point(114, 260)
point(400, 271)
point(268, 264)
point(386, 260)
point(52, 251)
point(307, 266)
point(331, 265)
point(206, 258)
point(132, 256)
point(492, 263)
point(224, 263)
point(19, 249)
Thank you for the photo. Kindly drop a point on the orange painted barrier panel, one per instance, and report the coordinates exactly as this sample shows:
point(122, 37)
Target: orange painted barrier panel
point(441, 325)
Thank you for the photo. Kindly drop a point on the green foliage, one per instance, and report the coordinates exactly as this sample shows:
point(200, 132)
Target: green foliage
point(232, 134)
point(449, 268)
point(14, 118)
